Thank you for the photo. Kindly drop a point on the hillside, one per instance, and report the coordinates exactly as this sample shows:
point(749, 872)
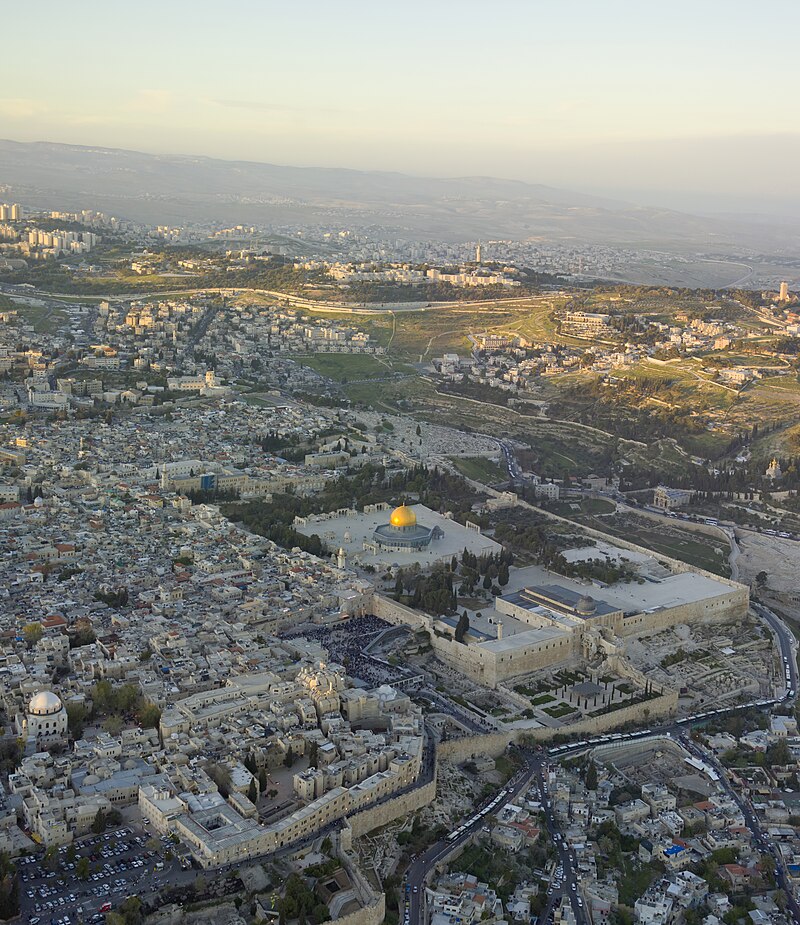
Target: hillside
point(171, 189)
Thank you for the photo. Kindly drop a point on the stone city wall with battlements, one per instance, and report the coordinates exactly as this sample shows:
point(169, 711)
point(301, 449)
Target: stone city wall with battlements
point(373, 914)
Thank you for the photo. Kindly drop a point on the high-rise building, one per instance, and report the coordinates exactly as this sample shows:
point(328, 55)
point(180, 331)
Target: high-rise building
point(10, 213)
point(784, 293)
point(478, 254)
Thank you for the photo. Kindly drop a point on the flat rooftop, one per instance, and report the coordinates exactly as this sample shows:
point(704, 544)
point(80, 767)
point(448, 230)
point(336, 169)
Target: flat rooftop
point(651, 594)
point(684, 588)
point(530, 636)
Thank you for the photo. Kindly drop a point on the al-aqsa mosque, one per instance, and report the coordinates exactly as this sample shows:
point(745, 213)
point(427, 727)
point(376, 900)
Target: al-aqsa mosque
point(403, 533)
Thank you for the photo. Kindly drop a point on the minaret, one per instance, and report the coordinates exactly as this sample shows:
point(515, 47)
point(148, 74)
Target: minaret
point(341, 558)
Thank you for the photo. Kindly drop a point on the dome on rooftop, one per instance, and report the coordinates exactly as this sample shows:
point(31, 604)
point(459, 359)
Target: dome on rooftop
point(586, 605)
point(45, 703)
point(403, 516)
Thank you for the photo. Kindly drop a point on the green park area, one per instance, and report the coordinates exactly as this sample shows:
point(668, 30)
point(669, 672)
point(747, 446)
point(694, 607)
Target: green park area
point(668, 539)
point(589, 506)
point(348, 367)
point(479, 468)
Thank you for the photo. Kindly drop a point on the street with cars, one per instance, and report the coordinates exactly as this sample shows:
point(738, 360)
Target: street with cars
point(564, 881)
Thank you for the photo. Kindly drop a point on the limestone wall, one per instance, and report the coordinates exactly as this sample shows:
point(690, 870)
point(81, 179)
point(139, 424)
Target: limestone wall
point(376, 816)
point(621, 666)
point(368, 915)
point(675, 565)
point(452, 855)
point(400, 615)
point(647, 712)
point(730, 606)
point(373, 905)
point(482, 665)
point(495, 743)
point(458, 750)
point(486, 667)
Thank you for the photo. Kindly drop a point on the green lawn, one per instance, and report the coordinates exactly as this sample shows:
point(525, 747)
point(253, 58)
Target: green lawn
point(542, 699)
point(479, 468)
point(561, 709)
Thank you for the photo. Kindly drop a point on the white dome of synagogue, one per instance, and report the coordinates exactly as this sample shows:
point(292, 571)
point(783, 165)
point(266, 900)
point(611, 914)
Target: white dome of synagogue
point(45, 703)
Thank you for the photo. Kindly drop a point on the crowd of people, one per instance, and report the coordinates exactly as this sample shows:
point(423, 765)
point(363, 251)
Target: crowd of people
point(345, 643)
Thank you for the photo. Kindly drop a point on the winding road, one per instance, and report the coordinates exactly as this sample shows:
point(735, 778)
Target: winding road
point(535, 761)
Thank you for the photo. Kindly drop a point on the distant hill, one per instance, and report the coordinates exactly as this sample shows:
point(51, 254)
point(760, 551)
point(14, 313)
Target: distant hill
point(160, 189)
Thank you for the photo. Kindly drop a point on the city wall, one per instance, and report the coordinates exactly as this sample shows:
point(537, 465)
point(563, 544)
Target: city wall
point(479, 664)
point(373, 905)
point(452, 855)
point(376, 816)
point(487, 668)
point(368, 915)
point(495, 743)
point(458, 750)
point(731, 606)
point(400, 615)
point(693, 526)
point(660, 707)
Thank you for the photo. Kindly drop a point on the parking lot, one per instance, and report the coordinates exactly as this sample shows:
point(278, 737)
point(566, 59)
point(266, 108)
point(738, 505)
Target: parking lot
point(121, 863)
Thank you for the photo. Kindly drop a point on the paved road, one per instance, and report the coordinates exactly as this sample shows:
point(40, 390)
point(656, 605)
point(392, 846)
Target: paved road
point(751, 821)
point(511, 461)
point(369, 308)
point(422, 866)
point(564, 883)
point(725, 526)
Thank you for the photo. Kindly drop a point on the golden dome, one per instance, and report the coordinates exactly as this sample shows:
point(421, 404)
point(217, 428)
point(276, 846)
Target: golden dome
point(403, 516)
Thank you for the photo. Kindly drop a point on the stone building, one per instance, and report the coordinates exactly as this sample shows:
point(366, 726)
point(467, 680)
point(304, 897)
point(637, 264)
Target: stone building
point(44, 723)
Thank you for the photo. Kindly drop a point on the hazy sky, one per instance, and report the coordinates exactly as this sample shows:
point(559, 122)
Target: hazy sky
point(590, 94)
